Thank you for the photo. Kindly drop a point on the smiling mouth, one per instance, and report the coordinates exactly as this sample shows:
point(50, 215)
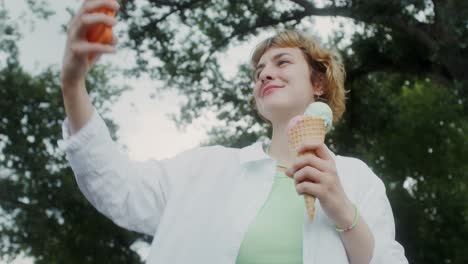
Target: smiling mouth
point(270, 90)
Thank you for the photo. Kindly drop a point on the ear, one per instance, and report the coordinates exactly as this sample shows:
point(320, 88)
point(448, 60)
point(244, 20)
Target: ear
point(318, 91)
point(319, 85)
point(318, 82)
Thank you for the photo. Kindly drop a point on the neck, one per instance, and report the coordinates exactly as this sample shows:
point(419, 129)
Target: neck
point(279, 149)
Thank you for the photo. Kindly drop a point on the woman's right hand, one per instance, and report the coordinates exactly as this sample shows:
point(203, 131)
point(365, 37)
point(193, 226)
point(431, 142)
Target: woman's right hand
point(78, 49)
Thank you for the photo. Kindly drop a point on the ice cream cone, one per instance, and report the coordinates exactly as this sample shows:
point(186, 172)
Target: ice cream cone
point(306, 129)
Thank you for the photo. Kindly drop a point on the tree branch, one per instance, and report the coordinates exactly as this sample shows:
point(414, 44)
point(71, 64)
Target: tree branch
point(311, 10)
point(243, 31)
point(415, 30)
point(436, 5)
point(14, 202)
point(176, 7)
point(165, 2)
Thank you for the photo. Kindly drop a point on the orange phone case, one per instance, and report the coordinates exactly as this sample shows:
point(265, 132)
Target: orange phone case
point(100, 33)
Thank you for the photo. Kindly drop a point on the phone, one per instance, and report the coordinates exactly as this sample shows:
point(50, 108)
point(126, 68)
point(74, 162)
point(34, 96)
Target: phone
point(100, 33)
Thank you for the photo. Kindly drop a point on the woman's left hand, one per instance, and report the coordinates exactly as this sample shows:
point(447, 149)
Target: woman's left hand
point(317, 175)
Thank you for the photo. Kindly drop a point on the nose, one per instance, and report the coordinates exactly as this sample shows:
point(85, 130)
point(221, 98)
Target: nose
point(266, 74)
point(266, 78)
point(263, 78)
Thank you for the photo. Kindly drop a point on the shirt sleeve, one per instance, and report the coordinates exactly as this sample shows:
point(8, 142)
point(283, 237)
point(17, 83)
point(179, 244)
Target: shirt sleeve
point(133, 194)
point(377, 212)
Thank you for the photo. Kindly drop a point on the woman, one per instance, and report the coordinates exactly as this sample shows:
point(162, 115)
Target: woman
point(224, 205)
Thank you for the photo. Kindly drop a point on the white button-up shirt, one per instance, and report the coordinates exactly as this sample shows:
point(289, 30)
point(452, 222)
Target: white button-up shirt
point(198, 205)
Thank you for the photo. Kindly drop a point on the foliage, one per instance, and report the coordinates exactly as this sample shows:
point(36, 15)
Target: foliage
point(414, 135)
point(42, 212)
point(188, 37)
point(47, 216)
point(406, 64)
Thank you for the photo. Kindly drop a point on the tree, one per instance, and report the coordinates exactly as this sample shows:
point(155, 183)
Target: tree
point(42, 212)
point(414, 134)
point(406, 63)
point(406, 111)
point(421, 37)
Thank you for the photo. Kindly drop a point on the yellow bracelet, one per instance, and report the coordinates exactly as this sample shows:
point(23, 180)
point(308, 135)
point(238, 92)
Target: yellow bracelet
point(353, 225)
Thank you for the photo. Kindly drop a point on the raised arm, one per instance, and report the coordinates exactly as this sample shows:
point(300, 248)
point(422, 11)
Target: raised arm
point(133, 194)
point(75, 61)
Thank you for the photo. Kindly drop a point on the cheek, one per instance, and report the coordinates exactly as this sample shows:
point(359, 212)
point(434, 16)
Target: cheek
point(300, 86)
point(303, 80)
point(256, 89)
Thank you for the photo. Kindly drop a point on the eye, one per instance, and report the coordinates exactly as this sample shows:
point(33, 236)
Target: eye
point(279, 64)
point(257, 74)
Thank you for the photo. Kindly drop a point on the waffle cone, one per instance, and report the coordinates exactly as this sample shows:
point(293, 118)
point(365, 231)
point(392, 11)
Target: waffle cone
point(305, 130)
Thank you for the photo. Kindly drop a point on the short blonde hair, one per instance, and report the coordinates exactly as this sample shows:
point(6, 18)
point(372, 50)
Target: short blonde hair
point(326, 66)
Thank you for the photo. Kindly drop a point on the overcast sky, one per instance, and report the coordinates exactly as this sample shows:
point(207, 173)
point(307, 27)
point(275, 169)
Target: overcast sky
point(143, 124)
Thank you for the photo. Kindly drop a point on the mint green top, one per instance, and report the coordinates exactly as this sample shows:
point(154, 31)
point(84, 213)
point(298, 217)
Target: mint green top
point(275, 235)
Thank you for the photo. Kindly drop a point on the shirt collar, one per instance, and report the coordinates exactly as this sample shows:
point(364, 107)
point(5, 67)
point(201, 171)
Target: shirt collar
point(255, 152)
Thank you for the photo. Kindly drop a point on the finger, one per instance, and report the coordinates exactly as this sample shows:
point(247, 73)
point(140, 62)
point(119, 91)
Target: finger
point(93, 58)
point(86, 48)
point(318, 147)
point(92, 5)
point(89, 6)
point(309, 174)
point(309, 160)
point(90, 19)
point(80, 27)
point(309, 188)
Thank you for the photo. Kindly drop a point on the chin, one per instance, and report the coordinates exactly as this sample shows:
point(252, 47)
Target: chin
point(277, 107)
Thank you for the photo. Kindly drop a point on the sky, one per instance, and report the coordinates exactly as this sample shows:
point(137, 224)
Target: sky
point(144, 127)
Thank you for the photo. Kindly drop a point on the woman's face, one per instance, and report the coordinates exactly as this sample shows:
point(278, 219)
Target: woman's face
point(283, 87)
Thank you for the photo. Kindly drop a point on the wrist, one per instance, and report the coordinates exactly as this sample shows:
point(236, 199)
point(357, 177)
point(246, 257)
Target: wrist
point(72, 77)
point(347, 217)
point(71, 86)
